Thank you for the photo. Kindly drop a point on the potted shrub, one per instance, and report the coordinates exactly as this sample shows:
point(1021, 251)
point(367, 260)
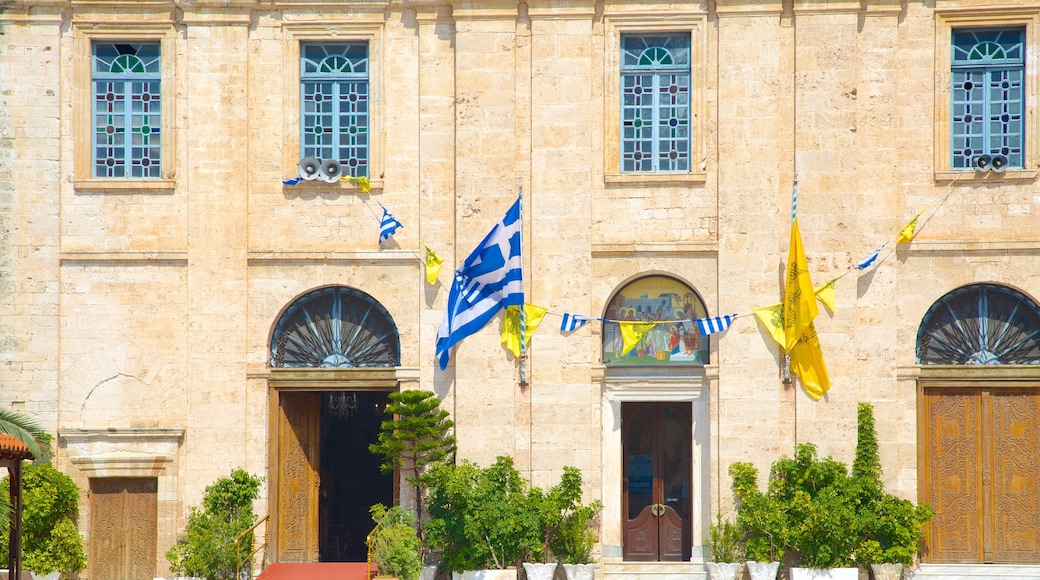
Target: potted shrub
point(481, 519)
point(574, 536)
point(725, 551)
point(208, 549)
point(416, 437)
point(394, 544)
point(763, 522)
point(890, 528)
point(50, 504)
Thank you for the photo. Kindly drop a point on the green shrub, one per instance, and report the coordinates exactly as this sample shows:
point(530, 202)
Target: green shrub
point(566, 524)
point(208, 549)
point(50, 504)
point(761, 517)
point(724, 541)
point(394, 544)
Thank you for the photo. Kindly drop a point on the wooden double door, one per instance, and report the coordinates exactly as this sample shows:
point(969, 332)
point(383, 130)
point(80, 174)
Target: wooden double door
point(981, 473)
point(657, 452)
point(123, 518)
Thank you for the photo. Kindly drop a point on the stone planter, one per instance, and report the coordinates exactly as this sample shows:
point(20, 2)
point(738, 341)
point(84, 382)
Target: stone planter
point(825, 574)
point(580, 571)
point(507, 574)
point(720, 571)
point(763, 570)
point(537, 571)
point(887, 571)
point(429, 572)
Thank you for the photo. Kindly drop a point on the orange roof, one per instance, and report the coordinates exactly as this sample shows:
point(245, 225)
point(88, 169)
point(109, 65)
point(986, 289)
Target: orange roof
point(13, 448)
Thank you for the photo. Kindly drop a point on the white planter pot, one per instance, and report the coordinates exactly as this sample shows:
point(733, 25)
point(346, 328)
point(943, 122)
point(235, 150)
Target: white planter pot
point(537, 571)
point(580, 571)
point(51, 576)
point(508, 574)
point(429, 572)
point(887, 571)
point(719, 571)
point(763, 570)
point(825, 574)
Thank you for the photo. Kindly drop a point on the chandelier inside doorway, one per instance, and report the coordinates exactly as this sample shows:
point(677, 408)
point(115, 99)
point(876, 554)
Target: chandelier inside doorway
point(343, 404)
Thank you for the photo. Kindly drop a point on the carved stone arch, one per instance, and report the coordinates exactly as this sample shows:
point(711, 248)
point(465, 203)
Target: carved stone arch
point(980, 324)
point(335, 327)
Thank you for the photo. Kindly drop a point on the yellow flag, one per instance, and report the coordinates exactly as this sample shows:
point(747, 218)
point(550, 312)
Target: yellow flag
point(511, 326)
point(773, 319)
point(825, 294)
point(907, 233)
point(799, 303)
point(363, 182)
point(433, 266)
point(807, 364)
point(632, 333)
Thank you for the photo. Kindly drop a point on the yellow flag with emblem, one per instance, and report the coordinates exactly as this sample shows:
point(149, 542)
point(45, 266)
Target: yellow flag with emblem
point(511, 326)
point(799, 301)
point(772, 317)
point(433, 266)
point(808, 365)
point(825, 294)
point(632, 333)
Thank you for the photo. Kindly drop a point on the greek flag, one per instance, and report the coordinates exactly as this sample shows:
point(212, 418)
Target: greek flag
point(870, 259)
point(388, 225)
point(712, 325)
point(490, 279)
point(572, 322)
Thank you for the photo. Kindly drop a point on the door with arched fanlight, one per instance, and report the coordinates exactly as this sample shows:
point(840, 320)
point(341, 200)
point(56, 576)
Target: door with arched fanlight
point(979, 351)
point(333, 357)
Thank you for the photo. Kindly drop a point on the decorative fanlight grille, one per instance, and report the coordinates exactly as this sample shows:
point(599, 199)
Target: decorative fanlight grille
point(981, 324)
point(335, 327)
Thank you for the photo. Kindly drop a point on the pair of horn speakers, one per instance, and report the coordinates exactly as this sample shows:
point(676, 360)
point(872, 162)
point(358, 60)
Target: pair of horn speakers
point(312, 168)
point(995, 163)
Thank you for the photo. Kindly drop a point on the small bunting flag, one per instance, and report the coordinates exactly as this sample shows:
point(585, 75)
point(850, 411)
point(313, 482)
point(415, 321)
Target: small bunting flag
point(292, 181)
point(632, 333)
point(362, 181)
point(907, 233)
point(716, 324)
point(866, 263)
point(511, 326)
point(825, 294)
point(433, 266)
point(772, 317)
point(572, 322)
point(388, 225)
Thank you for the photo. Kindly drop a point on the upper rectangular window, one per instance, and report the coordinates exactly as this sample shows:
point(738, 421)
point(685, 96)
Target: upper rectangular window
point(334, 104)
point(987, 93)
point(127, 110)
point(655, 103)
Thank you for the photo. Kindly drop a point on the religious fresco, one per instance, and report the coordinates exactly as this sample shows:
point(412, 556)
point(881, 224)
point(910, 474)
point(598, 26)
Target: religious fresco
point(675, 341)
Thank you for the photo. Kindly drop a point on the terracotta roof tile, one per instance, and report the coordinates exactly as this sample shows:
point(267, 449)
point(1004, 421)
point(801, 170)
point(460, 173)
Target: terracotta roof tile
point(13, 448)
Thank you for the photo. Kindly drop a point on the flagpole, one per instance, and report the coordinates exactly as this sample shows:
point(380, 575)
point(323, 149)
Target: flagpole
point(523, 318)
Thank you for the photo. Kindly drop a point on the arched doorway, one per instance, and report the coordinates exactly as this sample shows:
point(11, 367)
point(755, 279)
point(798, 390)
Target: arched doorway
point(979, 351)
point(333, 355)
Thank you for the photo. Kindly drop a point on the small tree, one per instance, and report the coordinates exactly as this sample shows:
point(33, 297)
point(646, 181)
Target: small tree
point(50, 540)
point(208, 549)
point(414, 438)
point(394, 545)
point(566, 524)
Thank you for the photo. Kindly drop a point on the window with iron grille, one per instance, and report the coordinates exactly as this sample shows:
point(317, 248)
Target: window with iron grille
point(655, 103)
point(987, 97)
point(127, 110)
point(334, 99)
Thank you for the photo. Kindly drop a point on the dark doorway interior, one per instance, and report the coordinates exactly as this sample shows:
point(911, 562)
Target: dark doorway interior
point(351, 481)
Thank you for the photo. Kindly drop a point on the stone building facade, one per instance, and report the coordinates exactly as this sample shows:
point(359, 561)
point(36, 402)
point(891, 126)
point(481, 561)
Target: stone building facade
point(150, 283)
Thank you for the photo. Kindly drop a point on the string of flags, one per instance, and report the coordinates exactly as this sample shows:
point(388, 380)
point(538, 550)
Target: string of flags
point(491, 279)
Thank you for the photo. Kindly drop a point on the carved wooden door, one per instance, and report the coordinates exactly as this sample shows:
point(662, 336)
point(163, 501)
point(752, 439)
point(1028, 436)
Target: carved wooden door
point(123, 517)
point(299, 422)
point(982, 460)
point(657, 456)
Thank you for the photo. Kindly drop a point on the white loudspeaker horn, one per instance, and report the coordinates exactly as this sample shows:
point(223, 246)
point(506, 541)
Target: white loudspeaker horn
point(982, 162)
point(331, 170)
point(998, 164)
point(309, 167)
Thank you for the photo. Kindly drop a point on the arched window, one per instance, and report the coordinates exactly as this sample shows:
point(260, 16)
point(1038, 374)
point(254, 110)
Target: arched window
point(675, 341)
point(980, 324)
point(335, 327)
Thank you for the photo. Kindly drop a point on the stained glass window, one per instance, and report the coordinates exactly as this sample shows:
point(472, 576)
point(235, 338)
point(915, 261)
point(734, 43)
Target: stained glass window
point(655, 103)
point(674, 340)
point(981, 324)
point(335, 104)
point(127, 110)
point(335, 327)
point(987, 96)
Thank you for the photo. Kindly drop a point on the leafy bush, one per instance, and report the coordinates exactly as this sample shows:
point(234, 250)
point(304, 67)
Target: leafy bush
point(482, 518)
point(724, 539)
point(208, 549)
point(50, 504)
point(566, 525)
point(761, 517)
point(394, 544)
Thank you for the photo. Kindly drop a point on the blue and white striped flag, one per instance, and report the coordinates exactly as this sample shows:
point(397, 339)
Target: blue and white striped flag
point(490, 279)
point(572, 322)
point(388, 225)
point(870, 259)
point(716, 324)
